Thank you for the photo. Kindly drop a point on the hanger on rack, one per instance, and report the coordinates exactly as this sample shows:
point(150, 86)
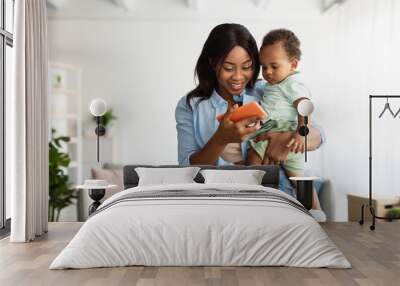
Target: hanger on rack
point(387, 107)
point(397, 113)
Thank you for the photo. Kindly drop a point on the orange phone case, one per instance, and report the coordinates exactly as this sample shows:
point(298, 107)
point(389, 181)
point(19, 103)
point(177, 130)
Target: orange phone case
point(252, 109)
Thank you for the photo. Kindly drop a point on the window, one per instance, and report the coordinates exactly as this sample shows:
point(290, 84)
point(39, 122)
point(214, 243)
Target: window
point(6, 44)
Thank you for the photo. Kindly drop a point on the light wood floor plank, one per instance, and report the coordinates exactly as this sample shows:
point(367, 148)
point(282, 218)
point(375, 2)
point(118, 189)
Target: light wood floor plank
point(375, 257)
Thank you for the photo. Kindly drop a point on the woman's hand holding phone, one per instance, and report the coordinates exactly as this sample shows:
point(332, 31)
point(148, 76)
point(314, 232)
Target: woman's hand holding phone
point(236, 132)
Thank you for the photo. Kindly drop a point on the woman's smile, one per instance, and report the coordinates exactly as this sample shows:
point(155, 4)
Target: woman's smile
point(237, 86)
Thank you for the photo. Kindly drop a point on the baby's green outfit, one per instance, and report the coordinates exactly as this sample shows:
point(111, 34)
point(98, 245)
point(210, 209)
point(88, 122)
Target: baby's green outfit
point(277, 100)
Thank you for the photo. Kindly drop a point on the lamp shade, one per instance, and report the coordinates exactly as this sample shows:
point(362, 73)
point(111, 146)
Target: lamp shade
point(98, 107)
point(305, 107)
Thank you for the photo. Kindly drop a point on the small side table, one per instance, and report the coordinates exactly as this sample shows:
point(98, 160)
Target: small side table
point(96, 195)
point(304, 190)
point(97, 190)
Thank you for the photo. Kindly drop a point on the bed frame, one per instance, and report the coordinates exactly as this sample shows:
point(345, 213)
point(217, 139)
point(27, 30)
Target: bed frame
point(270, 179)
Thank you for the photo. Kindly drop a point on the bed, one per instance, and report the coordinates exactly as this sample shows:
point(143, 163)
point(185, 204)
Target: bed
point(198, 224)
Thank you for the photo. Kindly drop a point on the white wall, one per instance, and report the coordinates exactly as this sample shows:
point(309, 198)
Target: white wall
point(363, 58)
point(142, 62)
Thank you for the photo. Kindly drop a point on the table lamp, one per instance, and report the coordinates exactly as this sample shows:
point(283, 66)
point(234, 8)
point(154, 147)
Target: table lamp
point(304, 185)
point(305, 108)
point(97, 108)
point(97, 188)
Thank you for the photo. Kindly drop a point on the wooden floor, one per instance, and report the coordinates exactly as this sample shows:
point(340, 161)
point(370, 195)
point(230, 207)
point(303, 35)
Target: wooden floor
point(374, 255)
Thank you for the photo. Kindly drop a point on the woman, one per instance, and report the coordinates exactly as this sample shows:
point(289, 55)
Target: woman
point(227, 71)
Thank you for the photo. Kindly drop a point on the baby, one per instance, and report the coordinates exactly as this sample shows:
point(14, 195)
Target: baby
point(279, 56)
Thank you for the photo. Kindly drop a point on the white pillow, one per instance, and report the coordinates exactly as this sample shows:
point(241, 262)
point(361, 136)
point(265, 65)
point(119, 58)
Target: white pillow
point(163, 176)
point(248, 177)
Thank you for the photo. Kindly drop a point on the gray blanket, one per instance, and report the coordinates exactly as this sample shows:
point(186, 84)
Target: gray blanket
point(207, 194)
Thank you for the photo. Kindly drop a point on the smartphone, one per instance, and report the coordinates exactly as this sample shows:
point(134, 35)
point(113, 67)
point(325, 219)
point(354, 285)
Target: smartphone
point(252, 109)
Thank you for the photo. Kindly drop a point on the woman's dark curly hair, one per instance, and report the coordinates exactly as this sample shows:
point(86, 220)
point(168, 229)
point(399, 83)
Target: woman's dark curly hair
point(222, 39)
point(289, 41)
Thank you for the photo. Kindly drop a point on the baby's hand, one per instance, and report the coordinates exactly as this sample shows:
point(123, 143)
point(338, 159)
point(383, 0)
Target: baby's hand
point(296, 144)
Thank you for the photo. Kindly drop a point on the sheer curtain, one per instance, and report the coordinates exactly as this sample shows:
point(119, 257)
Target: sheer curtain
point(28, 123)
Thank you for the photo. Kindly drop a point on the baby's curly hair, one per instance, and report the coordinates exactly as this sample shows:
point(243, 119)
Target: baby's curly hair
point(289, 41)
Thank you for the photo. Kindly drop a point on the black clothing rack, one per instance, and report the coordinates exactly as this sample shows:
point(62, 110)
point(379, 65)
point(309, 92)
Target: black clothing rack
point(369, 205)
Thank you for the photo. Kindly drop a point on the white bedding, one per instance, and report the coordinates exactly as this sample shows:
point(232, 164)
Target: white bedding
point(227, 231)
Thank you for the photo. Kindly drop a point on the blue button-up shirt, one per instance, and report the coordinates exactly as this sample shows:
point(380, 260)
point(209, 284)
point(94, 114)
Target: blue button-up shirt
point(196, 126)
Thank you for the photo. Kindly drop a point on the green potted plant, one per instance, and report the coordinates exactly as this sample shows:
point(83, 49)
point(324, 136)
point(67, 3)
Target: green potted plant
point(394, 213)
point(107, 118)
point(60, 192)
